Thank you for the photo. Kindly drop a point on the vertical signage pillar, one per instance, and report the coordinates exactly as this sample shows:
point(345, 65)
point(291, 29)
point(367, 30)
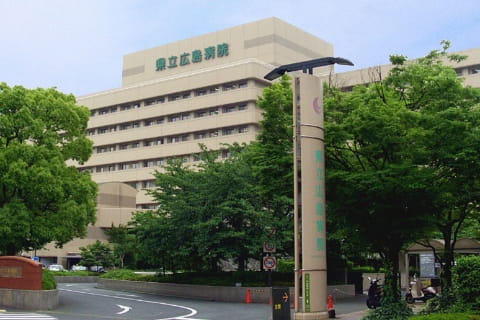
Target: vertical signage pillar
point(310, 233)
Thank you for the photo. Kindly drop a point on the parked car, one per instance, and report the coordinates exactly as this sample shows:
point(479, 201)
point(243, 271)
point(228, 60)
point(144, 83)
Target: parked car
point(77, 267)
point(97, 269)
point(56, 267)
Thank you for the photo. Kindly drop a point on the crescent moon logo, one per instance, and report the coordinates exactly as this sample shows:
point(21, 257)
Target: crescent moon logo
point(315, 106)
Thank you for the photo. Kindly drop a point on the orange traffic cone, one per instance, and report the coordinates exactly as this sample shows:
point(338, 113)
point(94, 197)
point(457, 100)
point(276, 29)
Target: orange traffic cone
point(248, 297)
point(330, 308)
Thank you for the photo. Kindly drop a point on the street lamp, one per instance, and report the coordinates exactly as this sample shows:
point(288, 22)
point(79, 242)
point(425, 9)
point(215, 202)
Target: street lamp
point(309, 187)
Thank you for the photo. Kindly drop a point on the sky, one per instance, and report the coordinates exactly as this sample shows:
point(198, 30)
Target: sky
point(78, 46)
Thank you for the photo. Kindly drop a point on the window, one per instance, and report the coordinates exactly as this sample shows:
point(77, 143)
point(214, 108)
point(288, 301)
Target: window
point(148, 184)
point(200, 135)
point(185, 137)
point(147, 143)
point(201, 92)
point(228, 109)
point(243, 129)
point(474, 69)
point(200, 114)
point(242, 106)
point(243, 84)
point(174, 97)
point(228, 131)
point(174, 118)
point(213, 111)
point(124, 146)
point(148, 122)
point(186, 95)
point(174, 139)
point(159, 120)
point(132, 184)
point(185, 116)
point(230, 86)
point(148, 163)
point(214, 89)
point(213, 133)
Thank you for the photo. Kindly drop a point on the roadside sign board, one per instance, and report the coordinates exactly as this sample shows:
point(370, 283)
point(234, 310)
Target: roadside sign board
point(269, 262)
point(268, 247)
point(280, 304)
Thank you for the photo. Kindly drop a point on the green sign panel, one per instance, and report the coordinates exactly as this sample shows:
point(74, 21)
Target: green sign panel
point(196, 56)
point(307, 291)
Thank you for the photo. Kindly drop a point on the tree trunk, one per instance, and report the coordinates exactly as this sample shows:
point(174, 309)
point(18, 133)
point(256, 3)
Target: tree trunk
point(446, 267)
point(391, 286)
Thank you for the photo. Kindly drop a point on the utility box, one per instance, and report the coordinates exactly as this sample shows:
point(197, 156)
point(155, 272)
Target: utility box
point(280, 303)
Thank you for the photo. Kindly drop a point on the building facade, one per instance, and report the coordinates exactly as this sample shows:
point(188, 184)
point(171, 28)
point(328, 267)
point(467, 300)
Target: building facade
point(178, 95)
point(199, 90)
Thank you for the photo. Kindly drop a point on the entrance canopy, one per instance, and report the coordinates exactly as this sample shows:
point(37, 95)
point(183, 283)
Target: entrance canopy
point(462, 246)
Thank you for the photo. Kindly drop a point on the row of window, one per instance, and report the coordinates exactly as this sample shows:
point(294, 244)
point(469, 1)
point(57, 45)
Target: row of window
point(468, 70)
point(170, 118)
point(172, 97)
point(148, 163)
point(171, 139)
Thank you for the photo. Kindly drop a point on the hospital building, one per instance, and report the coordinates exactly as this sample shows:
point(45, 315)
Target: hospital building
point(175, 96)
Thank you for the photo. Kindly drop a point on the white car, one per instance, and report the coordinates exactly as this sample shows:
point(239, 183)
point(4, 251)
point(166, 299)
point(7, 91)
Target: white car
point(78, 267)
point(56, 267)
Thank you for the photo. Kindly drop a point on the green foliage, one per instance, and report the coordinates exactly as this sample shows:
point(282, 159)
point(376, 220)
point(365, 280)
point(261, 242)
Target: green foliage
point(205, 214)
point(42, 199)
point(271, 160)
point(447, 316)
point(124, 245)
point(402, 157)
point(285, 265)
point(246, 278)
point(391, 311)
point(121, 274)
point(96, 254)
point(466, 282)
point(48, 281)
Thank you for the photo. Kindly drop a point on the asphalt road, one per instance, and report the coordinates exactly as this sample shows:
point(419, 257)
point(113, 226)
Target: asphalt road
point(85, 302)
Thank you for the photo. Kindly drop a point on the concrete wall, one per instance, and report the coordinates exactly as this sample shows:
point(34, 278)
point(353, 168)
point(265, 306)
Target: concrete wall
point(212, 293)
point(29, 299)
point(76, 279)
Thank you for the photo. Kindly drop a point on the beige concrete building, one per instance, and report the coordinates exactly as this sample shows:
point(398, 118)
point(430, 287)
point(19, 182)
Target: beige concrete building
point(175, 96)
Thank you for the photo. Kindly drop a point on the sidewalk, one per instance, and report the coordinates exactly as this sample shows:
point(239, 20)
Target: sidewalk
point(357, 315)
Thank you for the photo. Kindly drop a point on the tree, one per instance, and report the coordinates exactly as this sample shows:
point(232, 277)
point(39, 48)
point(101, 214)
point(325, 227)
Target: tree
point(96, 255)
point(271, 159)
point(42, 199)
point(124, 245)
point(449, 136)
point(400, 156)
point(205, 214)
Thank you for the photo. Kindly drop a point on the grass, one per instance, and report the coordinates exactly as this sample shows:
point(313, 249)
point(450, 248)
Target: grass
point(447, 316)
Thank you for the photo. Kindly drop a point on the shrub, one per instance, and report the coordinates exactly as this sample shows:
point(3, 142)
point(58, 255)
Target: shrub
point(466, 282)
point(48, 281)
point(284, 265)
point(447, 316)
point(390, 311)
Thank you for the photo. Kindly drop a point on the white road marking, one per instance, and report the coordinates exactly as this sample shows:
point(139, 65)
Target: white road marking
point(25, 316)
point(183, 317)
point(125, 309)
